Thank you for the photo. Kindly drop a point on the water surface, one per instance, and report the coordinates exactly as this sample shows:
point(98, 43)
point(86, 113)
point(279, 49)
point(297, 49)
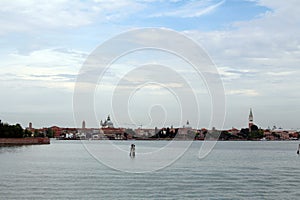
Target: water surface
point(233, 170)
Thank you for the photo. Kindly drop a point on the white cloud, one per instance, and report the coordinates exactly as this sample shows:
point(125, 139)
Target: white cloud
point(268, 43)
point(191, 9)
point(280, 73)
point(54, 68)
point(230, 74)
point(257, 59)
point(35, 15)
point(245, 92)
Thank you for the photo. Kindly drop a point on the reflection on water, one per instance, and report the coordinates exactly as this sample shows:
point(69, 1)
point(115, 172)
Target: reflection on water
point(13, 148)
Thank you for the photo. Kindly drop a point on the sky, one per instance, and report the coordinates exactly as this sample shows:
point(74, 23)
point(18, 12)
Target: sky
point(254, 44)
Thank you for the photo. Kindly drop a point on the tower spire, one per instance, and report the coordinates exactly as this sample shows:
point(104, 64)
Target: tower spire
point(83, 124)
point(250, 119)
point(251, 114)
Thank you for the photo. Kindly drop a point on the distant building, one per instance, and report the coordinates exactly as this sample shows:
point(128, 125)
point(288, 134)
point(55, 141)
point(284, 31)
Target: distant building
point(144, 132)
point(186, 132)
point(187, 125)
point(30, 129)
point(108, 131)
point(57, 131)
point(233, 131)
point(250, 119)
point(83, 124)
point(107, 123)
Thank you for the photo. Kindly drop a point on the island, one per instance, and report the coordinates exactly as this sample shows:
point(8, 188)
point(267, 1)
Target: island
point(16, 135)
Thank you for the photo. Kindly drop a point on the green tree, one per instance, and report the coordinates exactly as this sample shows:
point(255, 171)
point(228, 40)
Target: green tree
point(49, 133)
point(11, 131)
point(27, 133)
point(256, 134)
point(38, 133)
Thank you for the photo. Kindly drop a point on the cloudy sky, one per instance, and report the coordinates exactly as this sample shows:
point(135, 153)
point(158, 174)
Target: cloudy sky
point(255, 45)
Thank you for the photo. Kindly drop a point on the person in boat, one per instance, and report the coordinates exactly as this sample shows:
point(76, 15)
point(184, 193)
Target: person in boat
point(132, 150)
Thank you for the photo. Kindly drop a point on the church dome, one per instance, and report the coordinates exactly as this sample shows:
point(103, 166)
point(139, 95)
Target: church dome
point(107, 123)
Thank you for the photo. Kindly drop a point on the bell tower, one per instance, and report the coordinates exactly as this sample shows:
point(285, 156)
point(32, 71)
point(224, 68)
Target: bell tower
point(83, 124)
point(250, 119)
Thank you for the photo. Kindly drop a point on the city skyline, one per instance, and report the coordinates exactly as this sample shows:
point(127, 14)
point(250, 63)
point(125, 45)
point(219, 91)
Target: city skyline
point(108, 123)
point(254, 44)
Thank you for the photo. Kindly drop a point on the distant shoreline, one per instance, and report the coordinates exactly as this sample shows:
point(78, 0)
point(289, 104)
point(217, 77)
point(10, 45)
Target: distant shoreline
point(172, 139)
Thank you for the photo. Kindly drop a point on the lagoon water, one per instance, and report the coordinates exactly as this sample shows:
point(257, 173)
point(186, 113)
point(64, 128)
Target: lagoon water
point(233, 170)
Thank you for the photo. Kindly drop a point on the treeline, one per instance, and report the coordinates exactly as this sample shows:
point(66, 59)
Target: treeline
point(13, 131)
